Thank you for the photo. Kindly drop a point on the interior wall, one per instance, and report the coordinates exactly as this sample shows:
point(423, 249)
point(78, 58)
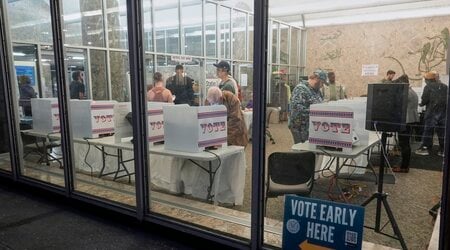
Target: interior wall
point(410, 46)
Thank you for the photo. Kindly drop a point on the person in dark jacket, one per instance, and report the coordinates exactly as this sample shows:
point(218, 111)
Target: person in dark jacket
point(26, 92)
point(180, 86)
point(77, 88)
point(434, 97)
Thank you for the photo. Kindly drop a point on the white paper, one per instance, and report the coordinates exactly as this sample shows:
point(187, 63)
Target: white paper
point(369, 70)
point(244, 78)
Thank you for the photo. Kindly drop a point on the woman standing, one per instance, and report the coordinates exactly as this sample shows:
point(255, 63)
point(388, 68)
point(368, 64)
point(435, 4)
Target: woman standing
point(159, 93)
point(404, 136)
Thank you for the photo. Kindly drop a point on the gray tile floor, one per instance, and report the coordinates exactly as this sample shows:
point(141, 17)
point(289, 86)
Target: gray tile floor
point(31, 220)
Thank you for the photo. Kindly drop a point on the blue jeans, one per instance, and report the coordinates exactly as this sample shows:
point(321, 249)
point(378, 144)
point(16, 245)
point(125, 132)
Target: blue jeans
point(434, 122)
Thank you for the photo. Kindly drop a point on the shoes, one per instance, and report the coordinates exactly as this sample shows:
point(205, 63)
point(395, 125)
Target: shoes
point(441, 153)
point(422, 151)
point(400, 170)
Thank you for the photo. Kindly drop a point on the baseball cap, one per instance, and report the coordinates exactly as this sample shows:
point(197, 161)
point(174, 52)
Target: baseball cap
point(322, 74)
point(223, 65)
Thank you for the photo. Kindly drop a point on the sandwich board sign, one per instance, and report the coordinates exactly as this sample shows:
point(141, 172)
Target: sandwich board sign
point(319, 224)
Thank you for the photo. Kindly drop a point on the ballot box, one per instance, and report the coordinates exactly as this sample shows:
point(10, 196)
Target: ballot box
point(192, 129)
point(45, 115)
point(92, 119)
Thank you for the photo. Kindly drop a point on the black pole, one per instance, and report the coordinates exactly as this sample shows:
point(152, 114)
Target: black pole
point(381, 198)
point(60, 66)
point(259, 116)
point(444, 240)
point(138, 104)
point(6, 67)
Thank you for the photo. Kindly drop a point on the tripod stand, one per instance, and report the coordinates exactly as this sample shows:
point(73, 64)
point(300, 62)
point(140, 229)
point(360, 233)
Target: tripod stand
point(381, 197)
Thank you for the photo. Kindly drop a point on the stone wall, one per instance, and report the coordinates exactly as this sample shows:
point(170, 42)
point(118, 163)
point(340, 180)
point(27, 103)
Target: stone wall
point(410, 46)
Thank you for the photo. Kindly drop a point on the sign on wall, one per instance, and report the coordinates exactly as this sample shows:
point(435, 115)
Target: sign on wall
point(319, 224)
point(369, 70)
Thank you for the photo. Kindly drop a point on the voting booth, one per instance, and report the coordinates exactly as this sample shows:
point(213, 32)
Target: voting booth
point(45, 115)
point(340, 125)
point(155, 120)
point(92, 119)
point(192, 129)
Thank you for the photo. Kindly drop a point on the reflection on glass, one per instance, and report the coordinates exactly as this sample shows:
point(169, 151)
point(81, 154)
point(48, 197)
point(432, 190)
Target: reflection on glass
point(148, 27)
point(295, 41)
point(192, 25)
point(274, 42)
point(40, 152)
point(83, 23)
point(117, 24)
point(210, 29)
point(166, 27)
point(5, 159)
point(149, 69)
point(29, 21)
point(77, 62)
point(239, 35)
point(284, 44)
point(250, 37)
point(48, 77)
point(120, 76)
point(99, 75)
point(224, 28)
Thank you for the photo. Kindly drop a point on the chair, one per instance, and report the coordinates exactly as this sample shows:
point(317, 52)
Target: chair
point(290, 173)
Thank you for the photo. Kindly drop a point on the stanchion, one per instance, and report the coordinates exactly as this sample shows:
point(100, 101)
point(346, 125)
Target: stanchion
point(381, 197)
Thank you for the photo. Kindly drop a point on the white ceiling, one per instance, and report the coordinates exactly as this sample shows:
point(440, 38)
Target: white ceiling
point(311, 13)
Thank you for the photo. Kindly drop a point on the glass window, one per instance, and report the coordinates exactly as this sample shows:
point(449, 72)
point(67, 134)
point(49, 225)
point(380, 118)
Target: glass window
point(239, 35)
point(99, 74)
point(77, 60)
point(250, 37)
point(192, 25)
point(120, 76)
point(284, 44)
point(274, 42)
point(295, 41)
point(149, 69)
point(117, 24)
point(30, 26)
point(166, 26)
point(148, 27)
point(224, 27)
point(48, 72)
point(83, 23)
point(210, 29)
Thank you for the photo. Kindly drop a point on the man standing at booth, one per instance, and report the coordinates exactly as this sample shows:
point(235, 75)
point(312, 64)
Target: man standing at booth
point(226, 81)
point(434, 97)
point(303, 95)
point(236, 130)
point(77, 88)
point(389, 76)
point(333, 91)
point(180, 86)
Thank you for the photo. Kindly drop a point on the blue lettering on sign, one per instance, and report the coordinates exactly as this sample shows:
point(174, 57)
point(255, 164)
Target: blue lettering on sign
point(311, 223)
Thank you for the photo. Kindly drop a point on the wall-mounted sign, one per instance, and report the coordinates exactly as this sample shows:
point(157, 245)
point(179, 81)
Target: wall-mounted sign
point(319, 224)
point(181, 59)
point(369, 70)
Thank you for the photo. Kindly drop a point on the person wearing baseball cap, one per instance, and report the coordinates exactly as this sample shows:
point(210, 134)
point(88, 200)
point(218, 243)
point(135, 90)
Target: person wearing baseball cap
point(181, 86)
point(226, 81)
point(434, 97)
point(303, 95)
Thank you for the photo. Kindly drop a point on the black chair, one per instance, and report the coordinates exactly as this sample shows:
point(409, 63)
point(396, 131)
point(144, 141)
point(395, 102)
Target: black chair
point(269, 111)
point(290, 173)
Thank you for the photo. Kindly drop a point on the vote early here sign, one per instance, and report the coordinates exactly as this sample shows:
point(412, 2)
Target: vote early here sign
point(319, 224)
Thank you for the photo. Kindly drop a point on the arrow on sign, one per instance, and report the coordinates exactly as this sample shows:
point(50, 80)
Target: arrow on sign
point(305, 245)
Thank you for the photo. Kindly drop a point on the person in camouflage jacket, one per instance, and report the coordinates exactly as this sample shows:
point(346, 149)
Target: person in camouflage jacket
point(303, 95)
